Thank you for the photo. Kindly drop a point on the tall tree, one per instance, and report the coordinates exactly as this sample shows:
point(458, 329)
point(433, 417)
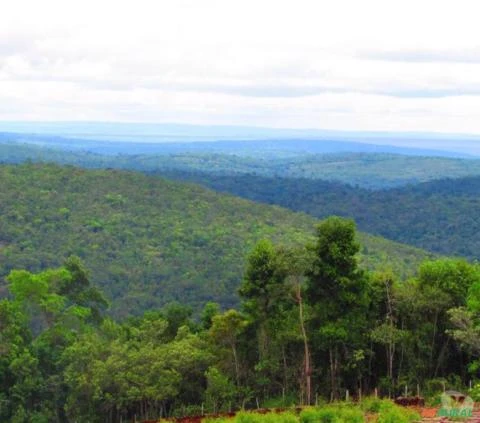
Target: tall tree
point(296, 261)
point(225, 330)
point(443, 284)
point(264, 293)
point(386, 331)
point(336, 290)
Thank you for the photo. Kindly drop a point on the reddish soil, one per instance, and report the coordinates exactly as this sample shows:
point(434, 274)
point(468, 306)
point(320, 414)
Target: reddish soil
point(428, 413)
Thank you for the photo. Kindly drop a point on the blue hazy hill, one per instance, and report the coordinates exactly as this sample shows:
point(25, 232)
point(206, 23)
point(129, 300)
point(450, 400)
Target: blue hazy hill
point(120, 138)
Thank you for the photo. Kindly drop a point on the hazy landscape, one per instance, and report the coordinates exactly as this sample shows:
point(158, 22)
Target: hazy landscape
point(239, 212)
point(161, 230)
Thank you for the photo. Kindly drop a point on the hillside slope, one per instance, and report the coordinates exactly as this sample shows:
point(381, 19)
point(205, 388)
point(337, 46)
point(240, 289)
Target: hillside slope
point(148, 240)
point(439, 216)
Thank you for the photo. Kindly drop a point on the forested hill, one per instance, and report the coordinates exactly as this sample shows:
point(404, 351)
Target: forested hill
point(147, 240)
point(368, 170)
point(441, 216)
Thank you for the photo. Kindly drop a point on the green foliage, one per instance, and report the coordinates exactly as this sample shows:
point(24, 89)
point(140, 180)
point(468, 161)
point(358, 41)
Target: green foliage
point(252, 417)
point(164, 241)
point(59, 364)
point(391, 413)
point(332, 414)
point(368, 170)
point(42, 319)
point(438, 216)
point(312, 319)
point(122, 373)
point(338, 292)
point(335, 270)
point(221, 392)
point(452, 277)
point(210, 310)
point(474, 392)
point(263, 285)
point(372, 404)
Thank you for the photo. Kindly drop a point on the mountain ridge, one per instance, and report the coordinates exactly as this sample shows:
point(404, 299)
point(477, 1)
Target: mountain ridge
point(148, 240)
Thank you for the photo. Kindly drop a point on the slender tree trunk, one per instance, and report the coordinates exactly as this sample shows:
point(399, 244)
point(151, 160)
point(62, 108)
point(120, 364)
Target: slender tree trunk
point(332, 384)
point(285, 367)
point(440, 357)
point(333, 372)
point(402, 351)
point(390, 318)
point(370, 359)
point(235, 361)
point(391, 356)
point(434, 335)
point(307, 370)
point(262, 340)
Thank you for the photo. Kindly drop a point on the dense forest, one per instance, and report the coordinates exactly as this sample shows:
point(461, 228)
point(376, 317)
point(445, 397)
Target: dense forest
point(311, 325)
point(149, 241)
point(439, 216)
point(239, 211)
point(364, 169)
point(139, 295)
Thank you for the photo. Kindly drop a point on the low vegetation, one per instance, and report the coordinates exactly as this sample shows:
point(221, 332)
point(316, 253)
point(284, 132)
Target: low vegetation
point(386, 412)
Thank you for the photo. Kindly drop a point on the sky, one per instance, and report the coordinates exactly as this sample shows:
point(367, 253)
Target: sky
point(340, 64)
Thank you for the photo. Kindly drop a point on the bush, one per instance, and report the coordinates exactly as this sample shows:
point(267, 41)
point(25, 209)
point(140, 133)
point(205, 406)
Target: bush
point(309, 415)
point(372, 404)
point(248, 417)
point(279, 402)
point(475, 392)
point(280, 418)
point(352, 415)
point(391, 413)
point(328, 415)
point(332, 414)
point(252, 417)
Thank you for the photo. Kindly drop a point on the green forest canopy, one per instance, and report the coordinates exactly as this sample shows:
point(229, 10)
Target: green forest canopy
point(147, 240)
point(368, 170)
point(311, 324)
point(439, 216)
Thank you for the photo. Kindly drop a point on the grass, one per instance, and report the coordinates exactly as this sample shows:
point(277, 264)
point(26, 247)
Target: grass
point(383, 411)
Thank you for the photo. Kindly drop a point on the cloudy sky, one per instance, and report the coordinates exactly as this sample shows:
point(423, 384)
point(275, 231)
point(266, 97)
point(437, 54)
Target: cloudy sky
point(350, 65)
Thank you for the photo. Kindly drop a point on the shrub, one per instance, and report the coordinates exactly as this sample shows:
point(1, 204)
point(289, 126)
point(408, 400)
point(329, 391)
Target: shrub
point(280, 418)
point(475, 392)
point(372, 404)
point(352, 415)
point(252, 417)
point(248, 417)
point(391, 413)
point(332, 414)
point(322, 415)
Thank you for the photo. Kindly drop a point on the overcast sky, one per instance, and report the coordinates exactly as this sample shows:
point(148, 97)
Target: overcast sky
point(351, 65)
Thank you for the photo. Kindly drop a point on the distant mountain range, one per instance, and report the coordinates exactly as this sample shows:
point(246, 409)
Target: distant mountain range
point(269, 159)
point(147, 136)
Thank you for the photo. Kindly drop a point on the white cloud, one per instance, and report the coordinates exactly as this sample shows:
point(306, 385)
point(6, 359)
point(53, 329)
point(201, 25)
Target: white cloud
point(344, 64)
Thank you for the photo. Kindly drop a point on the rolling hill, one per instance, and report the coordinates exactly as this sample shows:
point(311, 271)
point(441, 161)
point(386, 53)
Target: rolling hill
point(147, 240)
point(441, 216)
point(270, 159)
point(126, 132)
